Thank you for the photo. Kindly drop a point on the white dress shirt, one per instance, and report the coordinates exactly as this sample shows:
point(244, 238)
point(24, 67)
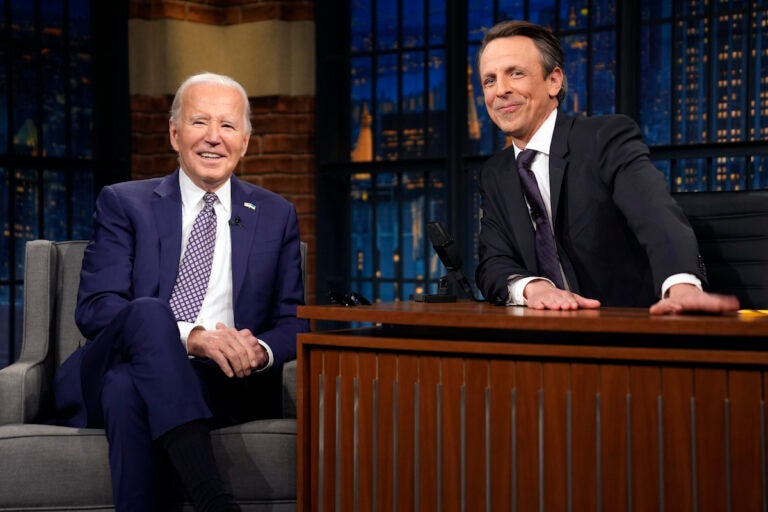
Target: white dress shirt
point(217, 304)
point(541, 143)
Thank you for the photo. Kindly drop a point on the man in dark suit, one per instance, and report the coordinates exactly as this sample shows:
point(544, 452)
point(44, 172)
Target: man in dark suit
point(619, 237)
point(188, 298)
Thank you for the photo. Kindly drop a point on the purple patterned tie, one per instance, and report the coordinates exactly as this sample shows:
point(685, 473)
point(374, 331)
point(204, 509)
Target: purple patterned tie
point(546, 252)
point(195, 268)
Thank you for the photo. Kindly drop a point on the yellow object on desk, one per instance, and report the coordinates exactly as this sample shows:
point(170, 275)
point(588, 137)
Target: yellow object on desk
point(753, 312)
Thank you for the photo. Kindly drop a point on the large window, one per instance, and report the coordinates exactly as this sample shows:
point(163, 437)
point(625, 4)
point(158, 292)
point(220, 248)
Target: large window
point(63, 131)
point(704, 92)
point(403, 131)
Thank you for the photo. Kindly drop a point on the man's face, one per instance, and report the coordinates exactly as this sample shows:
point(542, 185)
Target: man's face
point(210, 137)
point(518, 96)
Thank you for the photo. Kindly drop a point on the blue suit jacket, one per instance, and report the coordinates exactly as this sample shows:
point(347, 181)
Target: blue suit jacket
point(135, 253)
point(619, 233)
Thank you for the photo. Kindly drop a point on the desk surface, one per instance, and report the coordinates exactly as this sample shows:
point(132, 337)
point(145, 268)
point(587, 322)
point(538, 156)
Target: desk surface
point(463, 405)
point(480, 315)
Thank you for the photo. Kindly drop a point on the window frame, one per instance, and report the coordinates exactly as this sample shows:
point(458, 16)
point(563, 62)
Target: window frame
point(333, 145)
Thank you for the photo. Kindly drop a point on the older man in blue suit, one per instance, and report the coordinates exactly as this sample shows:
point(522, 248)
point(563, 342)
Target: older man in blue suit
point(188, 299)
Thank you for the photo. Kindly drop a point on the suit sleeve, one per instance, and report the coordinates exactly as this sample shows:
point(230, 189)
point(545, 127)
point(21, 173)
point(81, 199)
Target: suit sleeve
point(499, 252)
point(642, 194)
point(105, 278)
point(279, 330)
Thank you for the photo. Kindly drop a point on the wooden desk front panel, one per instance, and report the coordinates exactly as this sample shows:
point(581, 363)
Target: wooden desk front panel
point(424, 430)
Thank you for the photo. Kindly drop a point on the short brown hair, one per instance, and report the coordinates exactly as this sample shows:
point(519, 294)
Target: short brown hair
point(551, 51)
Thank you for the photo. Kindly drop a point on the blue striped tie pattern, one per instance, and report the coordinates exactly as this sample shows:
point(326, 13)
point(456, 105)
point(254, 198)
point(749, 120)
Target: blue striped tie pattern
point(546, 251)
point(195, 269)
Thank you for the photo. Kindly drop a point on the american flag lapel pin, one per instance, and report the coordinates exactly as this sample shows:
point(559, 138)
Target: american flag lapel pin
point(249, 205)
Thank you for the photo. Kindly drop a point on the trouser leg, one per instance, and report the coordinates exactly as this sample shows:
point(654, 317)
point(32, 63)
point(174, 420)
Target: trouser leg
point(137, 382)
point(145, 336)
point(134, 459)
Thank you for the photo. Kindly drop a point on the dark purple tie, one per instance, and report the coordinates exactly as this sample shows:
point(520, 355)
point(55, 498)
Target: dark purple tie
point(546, 252)
point(195, 268)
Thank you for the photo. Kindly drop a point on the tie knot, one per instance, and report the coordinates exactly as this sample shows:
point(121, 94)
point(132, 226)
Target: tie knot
point(209, 198)
point(525, 158)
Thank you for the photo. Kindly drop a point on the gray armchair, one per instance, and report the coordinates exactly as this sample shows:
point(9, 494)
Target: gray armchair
point(46, 468)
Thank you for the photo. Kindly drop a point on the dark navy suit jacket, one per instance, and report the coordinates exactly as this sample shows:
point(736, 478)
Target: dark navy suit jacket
point(135, 253)
point(619, 233)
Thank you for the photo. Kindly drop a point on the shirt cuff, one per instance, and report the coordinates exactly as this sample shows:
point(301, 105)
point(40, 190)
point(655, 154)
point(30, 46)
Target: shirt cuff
point(516, 286)
point(270, 357)
point(679, 279)
point(184, 329)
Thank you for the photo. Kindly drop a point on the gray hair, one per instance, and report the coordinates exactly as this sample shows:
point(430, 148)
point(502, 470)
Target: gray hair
point(211, 79)
point(549, 47)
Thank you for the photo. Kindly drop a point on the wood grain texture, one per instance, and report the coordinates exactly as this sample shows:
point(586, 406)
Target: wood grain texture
point(441, 418)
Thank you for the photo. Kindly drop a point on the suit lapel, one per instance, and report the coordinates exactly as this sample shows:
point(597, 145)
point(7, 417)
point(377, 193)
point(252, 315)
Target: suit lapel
point(166, 208)
point(558, 164)
point(517, 209)
point(248, 210)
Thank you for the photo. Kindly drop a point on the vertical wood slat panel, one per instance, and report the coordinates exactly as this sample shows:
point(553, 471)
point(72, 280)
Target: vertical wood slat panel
point(677, 391)
point(584, 386)
point(315, 370)
point(476, 385)
point(386, 485)
point(429, 376)
point(644, 421)
point(710, 394)
point(366, 376)
point(502, 382)
point(407, 376)
point(556, 386)
point(613, 418)
point(330, 373)
point(528, 385)
point(452, 383)
point(742, 421)
point(345, 486)
point(745, 394)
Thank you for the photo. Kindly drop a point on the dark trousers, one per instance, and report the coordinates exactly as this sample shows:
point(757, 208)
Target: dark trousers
point(138, 383)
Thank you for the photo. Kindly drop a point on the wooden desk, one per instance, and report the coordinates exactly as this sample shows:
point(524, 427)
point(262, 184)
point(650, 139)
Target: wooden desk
point(468, 406)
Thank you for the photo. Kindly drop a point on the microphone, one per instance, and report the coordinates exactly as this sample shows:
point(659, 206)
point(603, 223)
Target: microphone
point(448, 252)
point(235, 221)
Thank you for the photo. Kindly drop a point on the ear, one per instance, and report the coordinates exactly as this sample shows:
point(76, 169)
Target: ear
point(555, 82)
point(173, 134)
point(246, 140)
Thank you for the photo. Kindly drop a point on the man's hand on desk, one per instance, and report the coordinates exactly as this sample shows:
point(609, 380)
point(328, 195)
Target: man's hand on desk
point(541, 294)
point(685, 297)
point(238, 353)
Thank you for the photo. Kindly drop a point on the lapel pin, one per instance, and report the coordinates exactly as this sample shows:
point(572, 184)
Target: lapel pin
point(249, 205)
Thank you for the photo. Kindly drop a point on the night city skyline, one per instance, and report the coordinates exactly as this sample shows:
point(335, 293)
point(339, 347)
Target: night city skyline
point(694, 89)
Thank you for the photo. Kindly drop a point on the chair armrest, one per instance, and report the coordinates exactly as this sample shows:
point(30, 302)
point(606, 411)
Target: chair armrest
point(289, 389)
point(20, 385)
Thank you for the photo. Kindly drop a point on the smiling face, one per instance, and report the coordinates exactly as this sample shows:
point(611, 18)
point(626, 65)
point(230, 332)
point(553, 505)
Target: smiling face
point(210, 137)
point(518, 96)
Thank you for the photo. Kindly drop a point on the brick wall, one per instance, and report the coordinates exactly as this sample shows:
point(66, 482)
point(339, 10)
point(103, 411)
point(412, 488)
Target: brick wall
point(223, 12)
point(280, 154)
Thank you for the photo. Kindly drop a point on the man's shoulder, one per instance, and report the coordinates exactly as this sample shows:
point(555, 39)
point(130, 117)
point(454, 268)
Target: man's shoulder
point(500, 158)
point(136, 186)
point(257, 192)
point(601, 121)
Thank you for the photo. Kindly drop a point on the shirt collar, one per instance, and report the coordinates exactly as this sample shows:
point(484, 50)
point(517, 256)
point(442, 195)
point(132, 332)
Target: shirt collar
point(542, 139)
point(192, 195)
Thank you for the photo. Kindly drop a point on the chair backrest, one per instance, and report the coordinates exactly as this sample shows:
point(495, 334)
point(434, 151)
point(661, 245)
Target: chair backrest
point(732, 231)
point(51, 279)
